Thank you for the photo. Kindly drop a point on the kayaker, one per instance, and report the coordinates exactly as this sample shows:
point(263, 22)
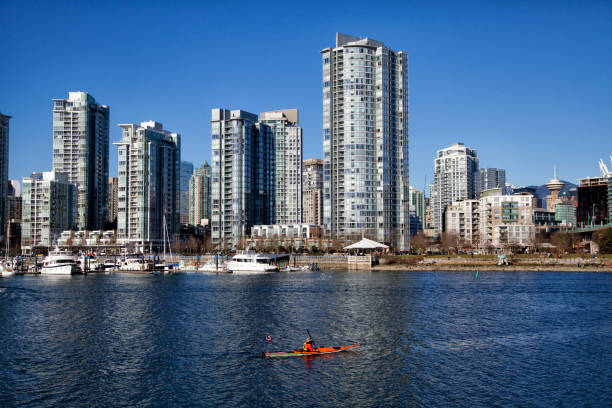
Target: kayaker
point(309, 345)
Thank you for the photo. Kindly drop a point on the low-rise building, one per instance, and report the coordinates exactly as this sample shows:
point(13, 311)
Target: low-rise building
point(493, 221)
point(289, 236)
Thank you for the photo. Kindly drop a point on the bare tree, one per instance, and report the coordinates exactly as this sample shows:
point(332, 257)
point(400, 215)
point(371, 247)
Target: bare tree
point(562, 240)
point(449, 241)
point(419, 242)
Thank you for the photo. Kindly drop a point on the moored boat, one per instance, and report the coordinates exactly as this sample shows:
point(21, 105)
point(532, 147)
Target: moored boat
point(250, 262)
point(60, 263)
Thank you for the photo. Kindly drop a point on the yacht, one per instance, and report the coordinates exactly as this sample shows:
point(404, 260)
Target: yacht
point(60, 263)
point(251, 262)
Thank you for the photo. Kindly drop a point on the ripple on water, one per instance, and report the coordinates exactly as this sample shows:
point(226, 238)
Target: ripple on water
point(440, 339)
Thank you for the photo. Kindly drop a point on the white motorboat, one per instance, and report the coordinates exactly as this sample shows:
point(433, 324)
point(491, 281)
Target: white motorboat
point(134, 264)
point(251, 262)
point(109, 264)
point(60, 263)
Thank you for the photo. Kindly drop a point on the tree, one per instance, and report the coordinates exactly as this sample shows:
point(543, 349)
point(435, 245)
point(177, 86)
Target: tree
point(562, 240)
point(449, 240)
point(604, 239)
point(418, 242)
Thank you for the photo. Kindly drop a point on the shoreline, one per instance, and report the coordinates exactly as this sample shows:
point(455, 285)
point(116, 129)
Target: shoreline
point(494, 268)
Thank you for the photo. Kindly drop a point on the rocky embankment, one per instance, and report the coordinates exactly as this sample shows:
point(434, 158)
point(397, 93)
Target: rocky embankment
point(472, 264)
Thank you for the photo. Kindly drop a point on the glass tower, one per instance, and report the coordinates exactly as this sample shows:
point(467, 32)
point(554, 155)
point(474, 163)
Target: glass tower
point(365, 142)
point(288, 169)
point(80, 150)
point(243, 185)
point(149, 185)
point(4, 161)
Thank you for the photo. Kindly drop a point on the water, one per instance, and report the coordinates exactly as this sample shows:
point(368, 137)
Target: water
point(428, 339)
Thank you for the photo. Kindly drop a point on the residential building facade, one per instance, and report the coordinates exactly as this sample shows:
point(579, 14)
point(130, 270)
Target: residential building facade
point(312, 191)
point(494, 221)
point(455, 173)
point(4, 167)
point(288, 168)
point(149, 185)
point(199, 195)
point(490, 177)
point(80, 150)
point(242, 189)
point(289, 236)
point(186, 173)
point(49, 207)
point(417, 202)
point(112, 203)
point(365, 142)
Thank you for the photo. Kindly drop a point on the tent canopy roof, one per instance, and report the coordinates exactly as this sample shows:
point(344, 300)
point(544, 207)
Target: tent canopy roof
point(366, 244)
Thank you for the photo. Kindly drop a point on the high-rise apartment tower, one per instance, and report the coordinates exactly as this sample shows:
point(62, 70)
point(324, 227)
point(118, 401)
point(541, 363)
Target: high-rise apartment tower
point(186, 173)
point(243, 162)
point(312, 191)
point(365, 141)
point(4, 161)
point(80, 150)
point(199, 195)
point(149, 178)
point(490, 177)
point(455, 173)
point(288, 169)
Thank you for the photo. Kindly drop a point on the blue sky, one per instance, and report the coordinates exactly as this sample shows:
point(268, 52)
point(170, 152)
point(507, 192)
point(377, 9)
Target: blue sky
point(526, 83)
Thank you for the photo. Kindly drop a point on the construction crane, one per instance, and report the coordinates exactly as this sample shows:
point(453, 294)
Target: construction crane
point(604, 169)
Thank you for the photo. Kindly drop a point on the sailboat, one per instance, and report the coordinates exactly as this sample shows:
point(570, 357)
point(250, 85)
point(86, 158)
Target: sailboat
point(7, 268)
point(166, 267)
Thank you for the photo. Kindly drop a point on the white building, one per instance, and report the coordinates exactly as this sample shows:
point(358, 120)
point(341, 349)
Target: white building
point(149, 185)
point(49, 207)
point(493, 221)
point(365, 141)
point(80, 150)
point(288, 164)
point(455, 172)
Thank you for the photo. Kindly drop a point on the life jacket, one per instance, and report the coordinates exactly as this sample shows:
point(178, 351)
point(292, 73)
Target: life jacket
point(308, 347)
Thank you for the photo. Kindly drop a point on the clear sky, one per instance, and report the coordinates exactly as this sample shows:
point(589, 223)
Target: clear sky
point(526, 83)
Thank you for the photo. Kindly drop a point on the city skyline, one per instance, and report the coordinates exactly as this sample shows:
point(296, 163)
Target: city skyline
point(501, 97)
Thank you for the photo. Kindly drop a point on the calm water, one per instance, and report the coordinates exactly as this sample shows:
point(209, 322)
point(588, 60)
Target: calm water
point(429, 339)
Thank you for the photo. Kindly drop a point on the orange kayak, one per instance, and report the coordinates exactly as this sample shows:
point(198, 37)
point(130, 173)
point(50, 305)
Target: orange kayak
point(319, 351)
